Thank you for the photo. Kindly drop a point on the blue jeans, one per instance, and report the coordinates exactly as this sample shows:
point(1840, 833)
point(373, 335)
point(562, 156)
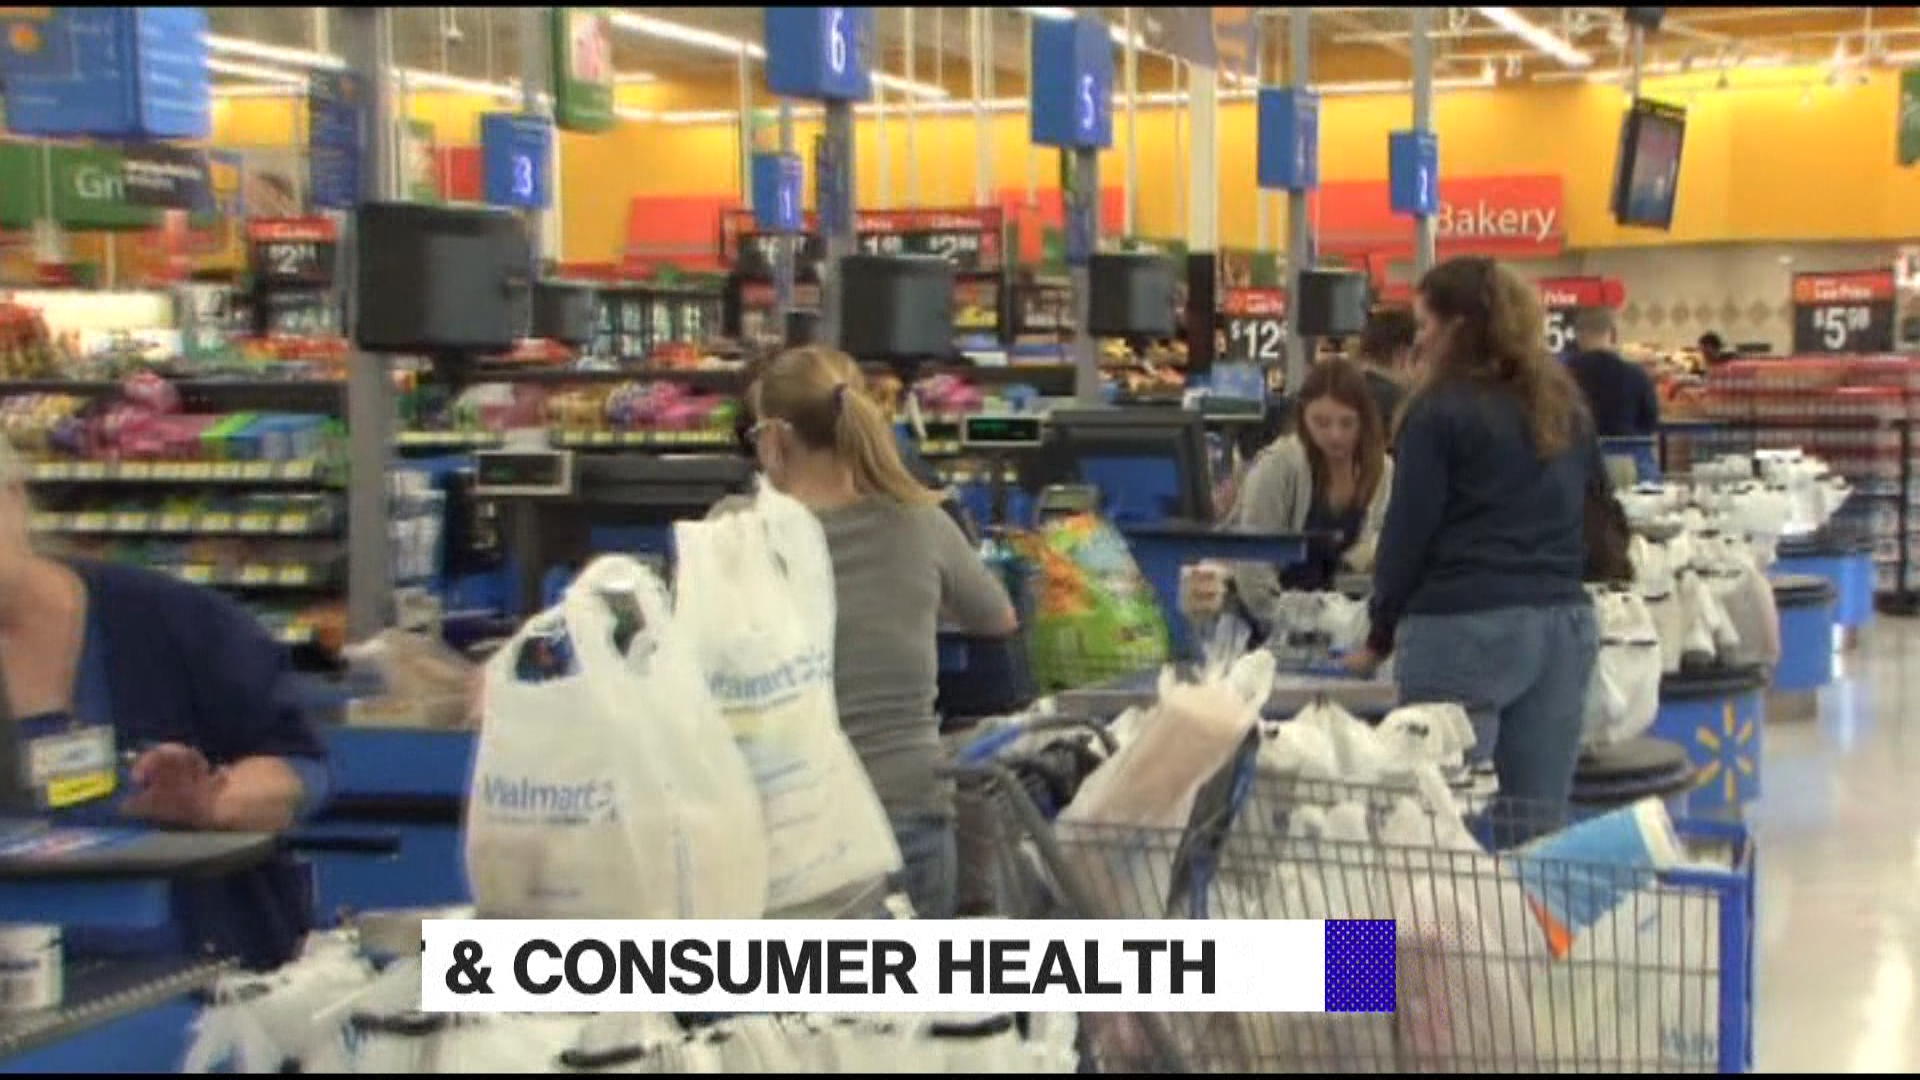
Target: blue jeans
point(931, 875)
point(1521, 674)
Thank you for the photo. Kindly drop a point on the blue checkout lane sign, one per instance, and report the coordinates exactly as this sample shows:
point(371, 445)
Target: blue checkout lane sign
point(820, 53)
point(107, 72)
point(1289, 139)
point(777, 180)
point(514, 153)
point(1413, 172)
point(336, 123)
point(1072, 104)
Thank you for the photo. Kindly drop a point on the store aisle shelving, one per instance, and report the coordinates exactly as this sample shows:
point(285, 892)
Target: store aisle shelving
point(1839, 905)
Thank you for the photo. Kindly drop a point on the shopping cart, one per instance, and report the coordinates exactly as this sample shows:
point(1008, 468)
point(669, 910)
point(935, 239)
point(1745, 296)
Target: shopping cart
point(1659, 979)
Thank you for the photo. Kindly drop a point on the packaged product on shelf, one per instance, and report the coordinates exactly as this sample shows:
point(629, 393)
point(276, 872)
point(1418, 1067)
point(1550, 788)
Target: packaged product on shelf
point(755, 592)
point(422, 683)
point(639, 804)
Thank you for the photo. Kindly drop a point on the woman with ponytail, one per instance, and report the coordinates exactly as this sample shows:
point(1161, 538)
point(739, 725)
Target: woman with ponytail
point(1477, 583)
point(900, 567)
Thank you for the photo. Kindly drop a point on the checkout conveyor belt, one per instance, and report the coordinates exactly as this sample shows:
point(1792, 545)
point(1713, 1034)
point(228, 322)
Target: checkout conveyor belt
point(99, 993)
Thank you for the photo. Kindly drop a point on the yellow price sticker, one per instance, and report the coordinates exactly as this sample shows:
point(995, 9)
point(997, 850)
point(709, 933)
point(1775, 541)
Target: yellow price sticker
point(256, 574)
point(216, 522)
point(297, 470)
point(226, 470)
point(256, 522)
point(176, 523)
point(74, 790)
point(294, 574)
point(296, 523)
point(196, 470)
point(136, 470)
point(167, 470)
point(52, 470)
point(90, 470)
point(198, 573)
point(90, 522)
point(257, 470)
point(603, 438)
point(131, 521)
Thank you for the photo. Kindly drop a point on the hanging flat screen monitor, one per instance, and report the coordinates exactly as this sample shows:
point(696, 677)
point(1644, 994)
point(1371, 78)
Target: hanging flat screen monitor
point(1647, 174)
point(435, 279)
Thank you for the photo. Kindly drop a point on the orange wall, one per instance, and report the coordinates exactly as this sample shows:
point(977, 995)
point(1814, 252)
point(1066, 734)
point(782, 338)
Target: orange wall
point(1768, 159)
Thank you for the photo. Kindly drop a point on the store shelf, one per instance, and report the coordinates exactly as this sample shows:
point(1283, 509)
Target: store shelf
point(151, 523)
point(265, 575)
point(669, 440)
point(252, 473)
point(711, 379)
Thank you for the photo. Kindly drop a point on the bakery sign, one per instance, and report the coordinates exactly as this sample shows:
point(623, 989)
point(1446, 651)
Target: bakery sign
point(1510, 216)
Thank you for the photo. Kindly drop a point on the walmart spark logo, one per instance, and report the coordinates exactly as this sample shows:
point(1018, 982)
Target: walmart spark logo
point(1732, 748)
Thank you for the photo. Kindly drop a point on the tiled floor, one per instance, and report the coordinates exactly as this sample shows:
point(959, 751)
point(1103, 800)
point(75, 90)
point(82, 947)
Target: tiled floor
point(1839, 850)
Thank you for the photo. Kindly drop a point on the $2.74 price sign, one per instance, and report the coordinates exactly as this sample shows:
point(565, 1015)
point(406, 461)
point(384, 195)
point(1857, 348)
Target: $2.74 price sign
point(1847, 313)
point(292, 251)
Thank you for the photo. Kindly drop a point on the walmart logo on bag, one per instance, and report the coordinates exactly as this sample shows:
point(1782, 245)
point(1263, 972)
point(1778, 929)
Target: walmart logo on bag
point(588, 802)
point(771, 685)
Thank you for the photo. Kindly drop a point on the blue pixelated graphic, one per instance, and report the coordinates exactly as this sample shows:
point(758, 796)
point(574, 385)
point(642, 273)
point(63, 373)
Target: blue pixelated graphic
point(1360, 961)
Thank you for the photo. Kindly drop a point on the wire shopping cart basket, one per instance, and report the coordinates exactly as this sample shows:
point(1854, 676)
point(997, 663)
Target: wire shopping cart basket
point(1512, 962)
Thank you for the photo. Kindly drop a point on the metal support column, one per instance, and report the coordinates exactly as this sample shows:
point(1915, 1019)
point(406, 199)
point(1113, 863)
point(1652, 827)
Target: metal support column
point(1083, 238)
point(1422, 122)
point(1299, 229)
point(784, 247)
point(367, 43)
point(1130, 208)
point(536, 99)
point(836, 220)
point(743, 94)
point(1203, 218)
point(913, 112)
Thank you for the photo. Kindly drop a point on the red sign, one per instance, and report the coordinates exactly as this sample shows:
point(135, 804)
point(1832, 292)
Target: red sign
point(300, 230)
point(1860, 286)
point(1581, 292)
point(984, 221)
point(1478, 215)
point(1254, 303)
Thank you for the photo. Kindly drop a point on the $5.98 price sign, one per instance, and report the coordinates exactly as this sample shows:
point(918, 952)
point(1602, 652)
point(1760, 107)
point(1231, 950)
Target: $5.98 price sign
point(1846, 313)
point(1563, 299)
point(1256, 325)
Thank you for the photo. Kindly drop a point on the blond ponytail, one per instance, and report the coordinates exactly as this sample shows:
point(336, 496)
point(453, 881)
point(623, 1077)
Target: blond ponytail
point(822, 395)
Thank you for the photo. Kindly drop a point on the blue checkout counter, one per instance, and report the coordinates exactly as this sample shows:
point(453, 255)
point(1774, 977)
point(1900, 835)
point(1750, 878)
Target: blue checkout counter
point(124, 1013)
point(1809, 611)
point(1846, 564)
point(390, 836)
point(1716, 715)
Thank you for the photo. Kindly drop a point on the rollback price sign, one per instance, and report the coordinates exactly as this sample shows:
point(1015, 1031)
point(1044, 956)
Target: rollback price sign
point(1563, 299)
point(1256, 322)
point(1843, 314)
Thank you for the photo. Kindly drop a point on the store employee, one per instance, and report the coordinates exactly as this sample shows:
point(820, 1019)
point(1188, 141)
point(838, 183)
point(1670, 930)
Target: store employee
point(166, 703)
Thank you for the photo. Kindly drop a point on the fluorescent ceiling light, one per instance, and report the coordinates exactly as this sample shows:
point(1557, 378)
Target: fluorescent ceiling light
point(1060, 14)
point(305, 58)
point(252, 90)
point(627, 77)
point(241, 69)
point(1544, 40)
point(733, 46)
point(641, 115)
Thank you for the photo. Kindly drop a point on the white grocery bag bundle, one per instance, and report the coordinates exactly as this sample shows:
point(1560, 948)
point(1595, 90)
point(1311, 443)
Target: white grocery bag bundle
point(755, 597)
point(612, 788)
point(1623, 695)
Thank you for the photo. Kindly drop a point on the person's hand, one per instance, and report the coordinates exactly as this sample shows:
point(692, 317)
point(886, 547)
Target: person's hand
point(1362, 662)
point(174, 785)
point(1203, 590)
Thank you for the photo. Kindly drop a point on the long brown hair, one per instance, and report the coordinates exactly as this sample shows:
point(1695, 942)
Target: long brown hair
point(1498, 339)
point(1343, 381)
point(822, 395)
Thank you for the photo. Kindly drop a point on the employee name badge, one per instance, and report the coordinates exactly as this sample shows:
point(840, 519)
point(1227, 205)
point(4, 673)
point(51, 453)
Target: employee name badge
point(72, 766)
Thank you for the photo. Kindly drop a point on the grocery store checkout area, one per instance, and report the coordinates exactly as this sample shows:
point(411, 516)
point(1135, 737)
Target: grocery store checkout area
point(78, 992)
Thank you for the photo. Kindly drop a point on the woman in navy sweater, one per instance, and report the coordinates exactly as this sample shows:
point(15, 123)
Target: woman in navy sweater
point(1477, 581)
point(184, 688)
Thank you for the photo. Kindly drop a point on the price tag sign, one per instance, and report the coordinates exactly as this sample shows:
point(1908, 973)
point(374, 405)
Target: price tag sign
point(1256, 321)
point(603, 438)
point(134, 470)
point(294, 575)
point(257, 470)
point(1563, 299)
point(198, 573)
point(256, 574)
point(90, 470)
point(296, 523)
point(965, 249)
point(216, 522)
point(292, 251)
point(168, 470)
point(176, 523)
point(256, 523)
point(297, 470)
point(132, 521)
point(90, 522)
point(1843, 314)
point(52, 470)
point(514, 152)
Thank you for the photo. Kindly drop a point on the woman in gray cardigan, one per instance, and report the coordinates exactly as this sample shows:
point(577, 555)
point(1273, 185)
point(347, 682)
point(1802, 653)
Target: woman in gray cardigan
point(1330, 478)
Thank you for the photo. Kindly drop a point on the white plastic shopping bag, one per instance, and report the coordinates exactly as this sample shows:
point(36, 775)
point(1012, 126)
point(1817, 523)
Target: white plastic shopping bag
point(606, 784)
point(1623, 694)
point(755, 591)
